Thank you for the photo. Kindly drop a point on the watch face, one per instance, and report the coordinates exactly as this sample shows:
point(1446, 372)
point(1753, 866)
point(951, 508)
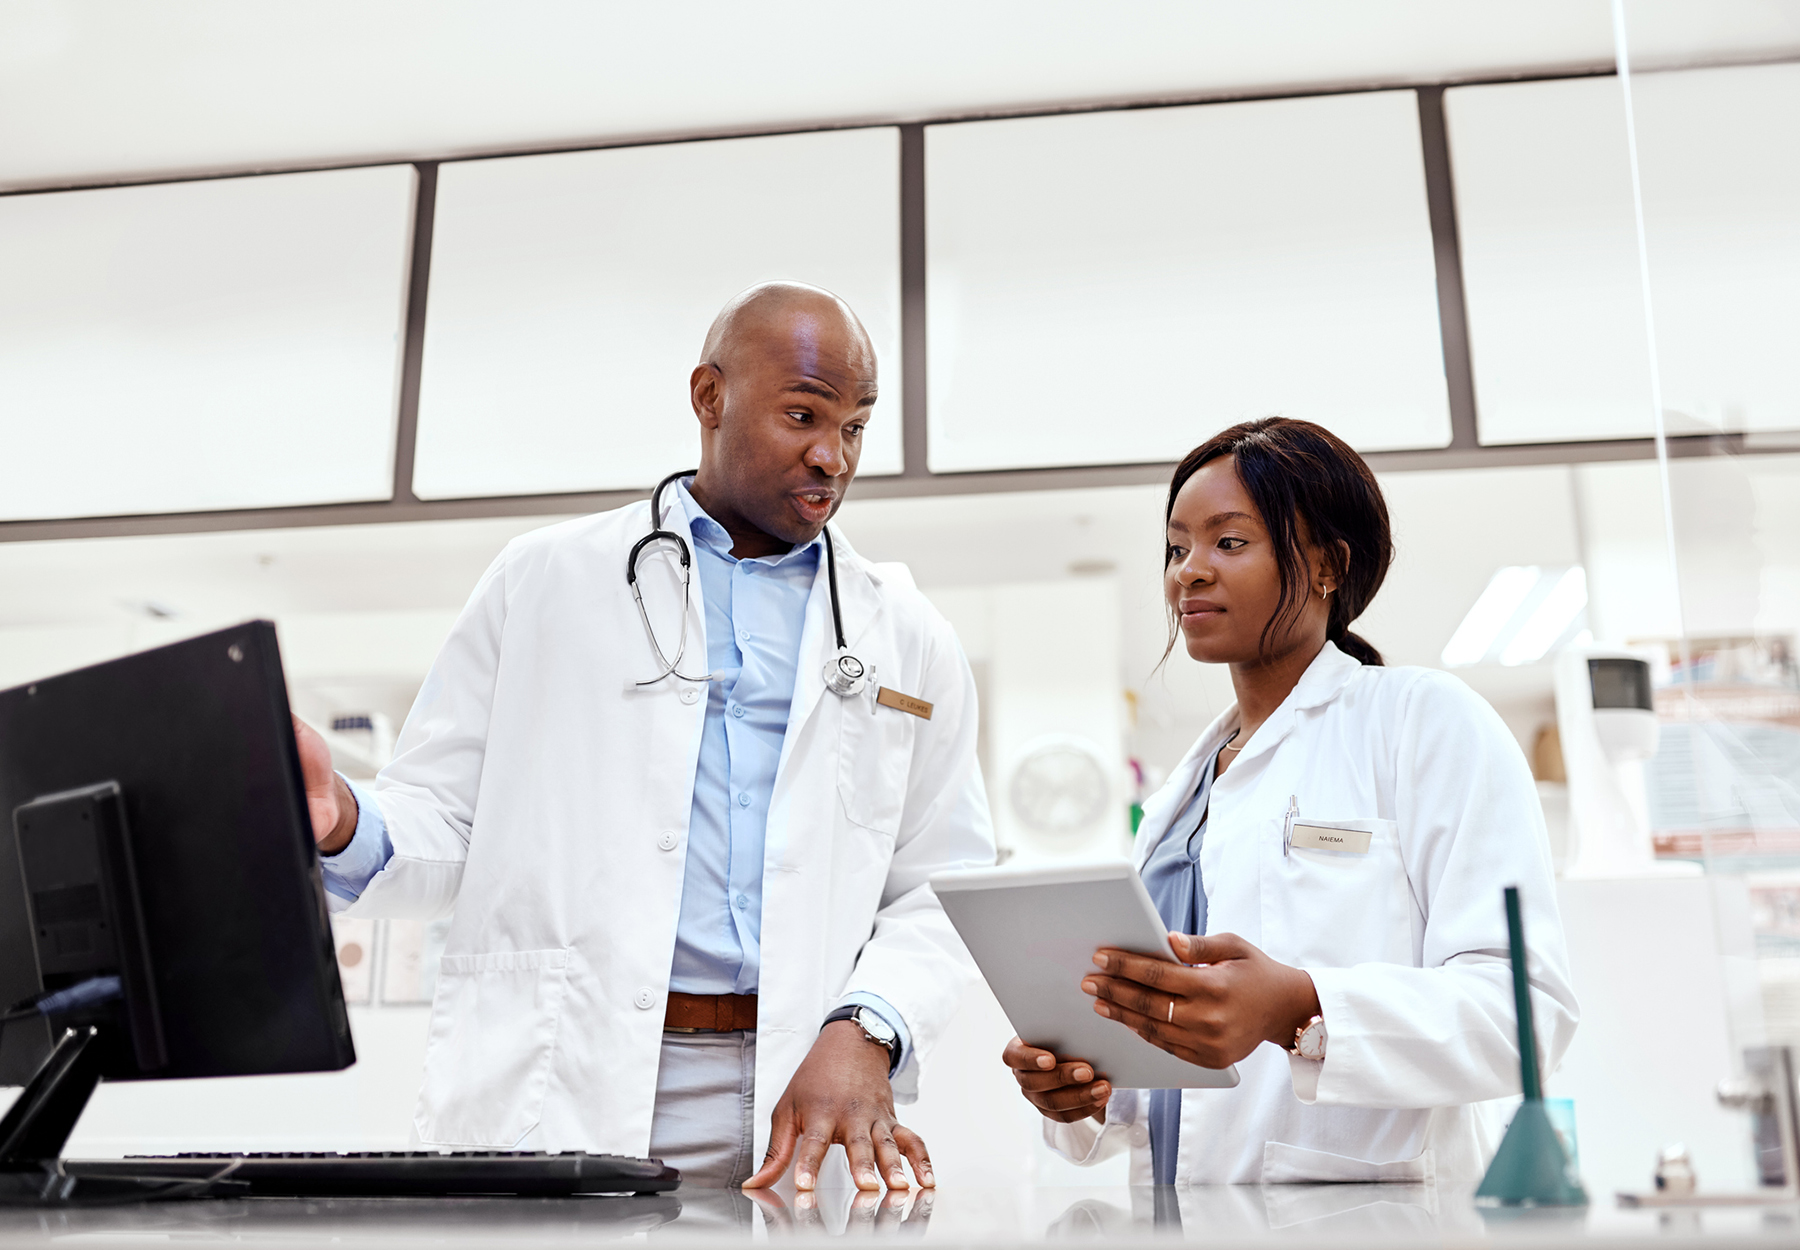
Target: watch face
point(875, 1026)
point(1311, 1042)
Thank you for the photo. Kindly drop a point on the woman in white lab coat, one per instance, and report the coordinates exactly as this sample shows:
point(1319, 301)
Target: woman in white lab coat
point(1341, 837)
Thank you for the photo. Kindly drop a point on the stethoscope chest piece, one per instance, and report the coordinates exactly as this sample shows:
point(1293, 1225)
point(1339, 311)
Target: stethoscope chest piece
point(845, 675)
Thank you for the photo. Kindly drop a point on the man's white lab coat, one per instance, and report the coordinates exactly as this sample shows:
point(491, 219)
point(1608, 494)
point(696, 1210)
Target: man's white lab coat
point(544, 795)
point(1407, 944)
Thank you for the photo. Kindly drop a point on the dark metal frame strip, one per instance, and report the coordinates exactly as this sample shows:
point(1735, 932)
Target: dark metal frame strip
point(412, 360)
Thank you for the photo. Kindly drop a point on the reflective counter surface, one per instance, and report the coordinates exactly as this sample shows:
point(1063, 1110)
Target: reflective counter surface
point(1310, 1215)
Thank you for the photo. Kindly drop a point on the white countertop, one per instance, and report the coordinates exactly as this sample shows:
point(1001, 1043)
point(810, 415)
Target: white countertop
point(1351, 1215)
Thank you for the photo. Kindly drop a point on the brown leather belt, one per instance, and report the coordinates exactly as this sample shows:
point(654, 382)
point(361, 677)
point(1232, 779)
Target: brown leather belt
point(710, 1013)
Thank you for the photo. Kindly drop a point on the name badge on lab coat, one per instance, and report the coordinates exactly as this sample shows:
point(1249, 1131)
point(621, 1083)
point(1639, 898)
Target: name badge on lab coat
point(903, 703)
point(1320, 838)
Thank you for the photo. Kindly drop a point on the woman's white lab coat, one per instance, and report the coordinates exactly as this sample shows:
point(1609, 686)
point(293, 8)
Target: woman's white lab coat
point(1407, 944)
point(543, 794)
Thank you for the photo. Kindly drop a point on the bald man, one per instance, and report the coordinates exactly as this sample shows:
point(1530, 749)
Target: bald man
point(683, 832)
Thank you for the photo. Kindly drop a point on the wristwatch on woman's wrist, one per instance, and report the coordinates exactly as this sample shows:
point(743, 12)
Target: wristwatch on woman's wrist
point(1309, 1039)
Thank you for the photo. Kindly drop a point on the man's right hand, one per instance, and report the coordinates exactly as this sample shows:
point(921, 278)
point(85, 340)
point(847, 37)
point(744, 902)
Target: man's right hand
point(1061, 1089)
point(328, 799)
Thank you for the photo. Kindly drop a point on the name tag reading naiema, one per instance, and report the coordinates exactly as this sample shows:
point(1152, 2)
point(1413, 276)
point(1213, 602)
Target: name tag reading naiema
point(903, 703)
point(1319, 838)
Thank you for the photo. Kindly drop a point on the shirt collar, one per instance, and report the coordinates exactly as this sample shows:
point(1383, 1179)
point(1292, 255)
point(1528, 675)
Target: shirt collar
point(709, 534)
point(1329, 672)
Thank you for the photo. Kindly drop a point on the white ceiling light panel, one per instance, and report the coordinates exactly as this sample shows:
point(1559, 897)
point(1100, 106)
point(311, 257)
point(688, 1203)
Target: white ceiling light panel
point(201, 346)
point(570, 295)
point(1499, 602)
point(1116, 287)
point(1550, 253)
point(1524, 613)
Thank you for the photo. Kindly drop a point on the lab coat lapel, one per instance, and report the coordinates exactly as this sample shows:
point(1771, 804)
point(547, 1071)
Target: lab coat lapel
point(1322, 681)
point(680, 519)
point(1166, 804)
point(816, 645)
point(1328, 673)
point(860, 603)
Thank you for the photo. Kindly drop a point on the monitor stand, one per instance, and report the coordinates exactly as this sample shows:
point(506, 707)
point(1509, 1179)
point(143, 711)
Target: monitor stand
point(38, 1124)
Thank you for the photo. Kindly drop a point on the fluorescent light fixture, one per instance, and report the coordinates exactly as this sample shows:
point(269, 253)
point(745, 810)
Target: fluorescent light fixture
point(1492, 613)
point(1524, 612)
point(1550, 620)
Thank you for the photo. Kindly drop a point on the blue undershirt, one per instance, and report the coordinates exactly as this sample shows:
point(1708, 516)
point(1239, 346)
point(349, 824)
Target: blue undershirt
point(1172, 878)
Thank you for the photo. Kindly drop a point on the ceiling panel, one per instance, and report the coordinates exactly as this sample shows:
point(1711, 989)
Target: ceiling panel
point(570, 296)
point(1116, 287)
point(1557, 320)
point(198, 346)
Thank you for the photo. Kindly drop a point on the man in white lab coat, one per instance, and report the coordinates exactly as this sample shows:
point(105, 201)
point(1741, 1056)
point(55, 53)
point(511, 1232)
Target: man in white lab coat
point(687, 879)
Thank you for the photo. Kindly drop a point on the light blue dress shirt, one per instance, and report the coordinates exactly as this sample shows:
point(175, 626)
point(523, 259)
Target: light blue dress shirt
point(755, 614)
point(1172, 878)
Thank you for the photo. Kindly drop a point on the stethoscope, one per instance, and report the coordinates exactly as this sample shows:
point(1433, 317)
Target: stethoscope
point(844, 674)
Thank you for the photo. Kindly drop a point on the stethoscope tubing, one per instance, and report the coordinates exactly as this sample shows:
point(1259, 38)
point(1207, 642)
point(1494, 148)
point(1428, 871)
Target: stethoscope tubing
point(658, 533)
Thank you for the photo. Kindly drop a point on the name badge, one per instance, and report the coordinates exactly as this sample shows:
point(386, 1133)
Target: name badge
point(903, 703)
point(1319, 838)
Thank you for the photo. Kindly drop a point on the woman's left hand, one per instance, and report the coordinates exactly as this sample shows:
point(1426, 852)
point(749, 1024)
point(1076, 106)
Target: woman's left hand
point(1213, 1015)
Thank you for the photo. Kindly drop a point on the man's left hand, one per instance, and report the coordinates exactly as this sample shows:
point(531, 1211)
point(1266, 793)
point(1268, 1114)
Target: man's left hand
point(841, 1095)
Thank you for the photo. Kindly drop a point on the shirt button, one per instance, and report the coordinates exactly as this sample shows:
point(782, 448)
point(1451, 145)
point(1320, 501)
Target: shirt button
point(744, 635)
point(669, 840)
point(743, 800)
point(737, 710)
point(743, 901)
point(689, 694)
point(645, 998)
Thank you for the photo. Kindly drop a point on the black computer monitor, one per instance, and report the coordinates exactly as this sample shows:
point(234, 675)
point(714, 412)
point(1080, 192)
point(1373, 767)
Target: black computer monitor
point(154, 828)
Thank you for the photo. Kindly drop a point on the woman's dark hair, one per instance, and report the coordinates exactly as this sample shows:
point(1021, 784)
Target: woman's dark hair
point(1308, 484)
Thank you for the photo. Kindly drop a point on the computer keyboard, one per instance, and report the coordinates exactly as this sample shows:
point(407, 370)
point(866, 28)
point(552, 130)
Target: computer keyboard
point(392, 1173)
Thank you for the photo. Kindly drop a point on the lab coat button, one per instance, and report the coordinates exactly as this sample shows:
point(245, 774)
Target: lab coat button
point(668, 840)
point(645, 998)
point(689, 694)
point(1140, 1136)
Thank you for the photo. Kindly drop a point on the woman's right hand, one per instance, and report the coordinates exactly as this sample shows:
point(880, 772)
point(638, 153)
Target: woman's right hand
point(1061, 1089)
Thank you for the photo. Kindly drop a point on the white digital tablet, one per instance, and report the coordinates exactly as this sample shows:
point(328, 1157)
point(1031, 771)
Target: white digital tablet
point(1034, 931)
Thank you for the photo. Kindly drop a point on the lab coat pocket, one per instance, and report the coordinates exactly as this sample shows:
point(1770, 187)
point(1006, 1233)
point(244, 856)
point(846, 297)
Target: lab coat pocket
point(1336, 907)
point(494, 1020)
point(874, 752)
point(1295, 1165)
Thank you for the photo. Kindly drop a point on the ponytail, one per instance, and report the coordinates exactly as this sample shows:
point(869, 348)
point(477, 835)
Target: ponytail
point(1356, 647)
